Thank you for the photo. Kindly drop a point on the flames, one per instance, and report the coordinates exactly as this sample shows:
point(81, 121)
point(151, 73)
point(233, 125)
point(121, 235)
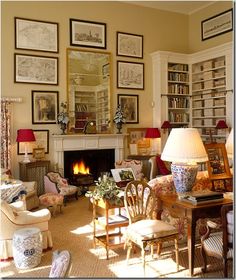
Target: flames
point(80, 168)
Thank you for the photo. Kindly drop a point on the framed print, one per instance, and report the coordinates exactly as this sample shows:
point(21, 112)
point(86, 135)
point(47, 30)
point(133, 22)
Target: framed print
point(42, 142)
point(218, 165)
point(36, 35)
point(136, 136)
point(36, 69)
point(88, 34)
point(44, 107)
point(217, 25)
point(130, 45)
point(38, 153)
point(129, 105)
point(130, 75)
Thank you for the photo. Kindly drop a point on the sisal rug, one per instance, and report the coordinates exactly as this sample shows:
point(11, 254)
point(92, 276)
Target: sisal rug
point(72, 230)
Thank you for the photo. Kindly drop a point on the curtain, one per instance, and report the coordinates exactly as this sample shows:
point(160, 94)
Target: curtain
point(5, 135)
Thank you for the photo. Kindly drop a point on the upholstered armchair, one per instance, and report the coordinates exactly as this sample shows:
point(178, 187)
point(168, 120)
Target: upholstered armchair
point(14, 217)
point(136, 166)
point(55, 183)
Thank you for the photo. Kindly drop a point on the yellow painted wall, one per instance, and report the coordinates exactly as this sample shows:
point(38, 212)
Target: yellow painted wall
point(162, 30)
point(195, 42)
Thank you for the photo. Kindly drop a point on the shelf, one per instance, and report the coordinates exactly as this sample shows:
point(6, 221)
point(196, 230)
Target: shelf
point(177, 95)
point(210, 79)
point(212, 107)
point(184, 109)
point(207, 98)
point(207, 70)
point(209, 117)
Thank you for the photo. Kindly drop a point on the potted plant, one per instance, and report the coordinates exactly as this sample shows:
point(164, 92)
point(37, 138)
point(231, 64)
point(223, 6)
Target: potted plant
point(106, 189)
point(62, 117)
point(119, 118)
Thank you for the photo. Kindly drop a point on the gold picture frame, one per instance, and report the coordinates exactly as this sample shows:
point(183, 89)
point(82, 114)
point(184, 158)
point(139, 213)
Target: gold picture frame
point(137, 136)
point(38, 153)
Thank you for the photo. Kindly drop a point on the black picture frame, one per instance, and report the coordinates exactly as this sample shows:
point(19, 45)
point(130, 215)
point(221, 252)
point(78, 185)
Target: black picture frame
point(28, 32)
point(217, 25)
point(35, 69)
point(89, 34)
point(130, 107)
point(129, 45)
point(130, 75)
point(45, 106)
point(42, 140)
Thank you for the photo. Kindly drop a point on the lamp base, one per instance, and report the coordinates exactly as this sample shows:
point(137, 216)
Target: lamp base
point(26, 159)
point(184, 176)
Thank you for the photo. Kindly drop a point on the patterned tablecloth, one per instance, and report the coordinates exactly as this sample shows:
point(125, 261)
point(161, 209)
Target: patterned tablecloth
point(11, 191)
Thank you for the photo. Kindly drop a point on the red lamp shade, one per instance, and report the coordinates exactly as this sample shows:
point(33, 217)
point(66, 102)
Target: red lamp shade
point(152, 133)
point(221, 124)
point(165, 125)
point(25, 135)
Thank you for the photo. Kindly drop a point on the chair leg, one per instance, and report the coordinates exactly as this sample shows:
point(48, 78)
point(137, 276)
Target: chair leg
point(225, 268)
point(143, 257)
point(203, 253)
point(129, 248)
point(159, 248)
point(152, 250)
point(177, 253)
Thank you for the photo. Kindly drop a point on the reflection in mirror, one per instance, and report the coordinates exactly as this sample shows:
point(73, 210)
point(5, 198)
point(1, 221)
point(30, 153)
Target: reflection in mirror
point(88, 76)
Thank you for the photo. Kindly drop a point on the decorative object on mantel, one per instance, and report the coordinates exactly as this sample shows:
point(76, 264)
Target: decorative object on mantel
point(90, 127)
point(62, 117)
point(119, 118)
point(25, 135)
point(184, 148)
point(107, 189)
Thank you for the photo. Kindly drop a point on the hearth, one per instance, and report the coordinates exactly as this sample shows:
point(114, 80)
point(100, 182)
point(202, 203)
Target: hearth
point(82, 168)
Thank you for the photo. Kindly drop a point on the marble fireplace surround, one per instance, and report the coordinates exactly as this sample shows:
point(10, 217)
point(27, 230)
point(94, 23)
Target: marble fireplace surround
point(77, 142)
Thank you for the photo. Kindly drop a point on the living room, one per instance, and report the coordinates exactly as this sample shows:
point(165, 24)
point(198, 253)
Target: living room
point(163, 35)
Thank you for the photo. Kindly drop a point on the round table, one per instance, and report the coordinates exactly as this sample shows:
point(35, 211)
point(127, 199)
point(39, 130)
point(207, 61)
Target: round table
point(27, 247)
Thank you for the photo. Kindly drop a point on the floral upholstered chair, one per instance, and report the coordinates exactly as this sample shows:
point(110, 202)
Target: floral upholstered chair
point(165, 185)
point(55, 183)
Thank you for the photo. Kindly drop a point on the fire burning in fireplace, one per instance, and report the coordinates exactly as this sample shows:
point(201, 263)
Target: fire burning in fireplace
point(80, 168)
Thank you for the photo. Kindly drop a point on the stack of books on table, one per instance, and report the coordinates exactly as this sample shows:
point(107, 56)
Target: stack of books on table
point(200, 197)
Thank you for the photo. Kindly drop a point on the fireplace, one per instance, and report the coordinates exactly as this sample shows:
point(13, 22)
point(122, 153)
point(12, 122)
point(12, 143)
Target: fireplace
point(83, 167)
point(88, 143)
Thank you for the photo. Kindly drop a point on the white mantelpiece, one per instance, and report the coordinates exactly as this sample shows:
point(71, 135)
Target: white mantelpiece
point(76, 142)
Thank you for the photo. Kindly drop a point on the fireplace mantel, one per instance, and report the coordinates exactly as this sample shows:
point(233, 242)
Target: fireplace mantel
point(76, 142)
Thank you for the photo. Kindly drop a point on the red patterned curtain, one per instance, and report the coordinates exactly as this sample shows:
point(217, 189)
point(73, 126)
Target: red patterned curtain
point(5, 135)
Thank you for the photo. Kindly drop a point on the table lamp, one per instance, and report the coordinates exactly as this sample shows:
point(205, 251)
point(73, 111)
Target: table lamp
point(153, 133)
point(184, 148)
point(166, 126)
point(25, 135)
point(230, 145)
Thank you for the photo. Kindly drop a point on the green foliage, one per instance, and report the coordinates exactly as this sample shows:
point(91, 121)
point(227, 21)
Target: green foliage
point(107, 189)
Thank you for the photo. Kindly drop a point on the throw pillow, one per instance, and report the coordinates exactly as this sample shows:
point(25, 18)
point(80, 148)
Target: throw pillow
point(161, 166)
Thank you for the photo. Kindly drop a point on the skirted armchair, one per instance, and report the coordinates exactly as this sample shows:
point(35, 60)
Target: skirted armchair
point(14, 216)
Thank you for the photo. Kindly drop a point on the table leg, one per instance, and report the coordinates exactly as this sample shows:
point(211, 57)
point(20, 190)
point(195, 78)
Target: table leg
point(191, 243)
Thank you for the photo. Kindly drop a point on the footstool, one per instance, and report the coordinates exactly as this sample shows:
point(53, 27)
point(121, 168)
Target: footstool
point(52, 200)
point(27, 247)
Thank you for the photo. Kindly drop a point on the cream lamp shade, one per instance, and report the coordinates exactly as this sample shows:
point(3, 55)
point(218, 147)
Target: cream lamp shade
point(230, 144)
point(184, 148)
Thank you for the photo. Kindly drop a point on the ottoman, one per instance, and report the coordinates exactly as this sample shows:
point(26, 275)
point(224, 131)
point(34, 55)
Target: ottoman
point(52, 200)
point(27, 247)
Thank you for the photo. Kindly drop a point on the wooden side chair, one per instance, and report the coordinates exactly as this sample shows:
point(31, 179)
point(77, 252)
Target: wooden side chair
point(219, 244)
point(139, 200)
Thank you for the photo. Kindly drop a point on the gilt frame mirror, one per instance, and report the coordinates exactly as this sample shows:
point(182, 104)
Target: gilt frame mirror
point(89, 90)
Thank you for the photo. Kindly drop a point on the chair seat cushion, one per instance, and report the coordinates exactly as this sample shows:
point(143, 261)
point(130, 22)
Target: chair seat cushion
point(148, 230)
point(214, 244)
point(68, 190)
point(50, 199)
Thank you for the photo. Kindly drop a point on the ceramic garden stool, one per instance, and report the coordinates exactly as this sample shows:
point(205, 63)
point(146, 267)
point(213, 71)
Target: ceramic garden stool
point(27, 247)
point(52, 200)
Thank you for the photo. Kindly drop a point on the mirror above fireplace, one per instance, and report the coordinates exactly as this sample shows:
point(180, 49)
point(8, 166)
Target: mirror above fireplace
point(89, 90)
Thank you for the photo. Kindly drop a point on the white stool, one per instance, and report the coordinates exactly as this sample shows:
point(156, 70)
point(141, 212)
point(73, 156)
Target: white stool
point(27, 247)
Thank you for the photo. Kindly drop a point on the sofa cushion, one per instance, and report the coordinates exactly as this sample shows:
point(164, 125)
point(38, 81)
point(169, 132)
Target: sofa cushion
point(161, 166)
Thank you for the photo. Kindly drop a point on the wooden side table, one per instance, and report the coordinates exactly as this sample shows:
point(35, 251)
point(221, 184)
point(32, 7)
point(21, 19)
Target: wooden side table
point(35, 171)
point(108, 222)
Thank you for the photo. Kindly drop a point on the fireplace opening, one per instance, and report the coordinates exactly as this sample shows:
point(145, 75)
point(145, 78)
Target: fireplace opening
point(82, 168)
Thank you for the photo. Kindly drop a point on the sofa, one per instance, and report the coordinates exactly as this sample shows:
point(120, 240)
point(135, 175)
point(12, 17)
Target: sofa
point(165, 185)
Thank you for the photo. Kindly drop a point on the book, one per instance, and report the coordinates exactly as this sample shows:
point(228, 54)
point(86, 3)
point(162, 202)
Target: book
point(202, 197)
point(202, 201)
